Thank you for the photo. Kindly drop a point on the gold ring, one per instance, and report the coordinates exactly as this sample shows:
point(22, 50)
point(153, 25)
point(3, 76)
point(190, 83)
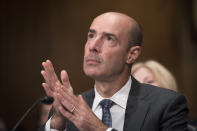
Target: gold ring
point(73, 109)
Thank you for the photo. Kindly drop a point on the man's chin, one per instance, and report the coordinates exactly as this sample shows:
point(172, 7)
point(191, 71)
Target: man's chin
point(92, 74)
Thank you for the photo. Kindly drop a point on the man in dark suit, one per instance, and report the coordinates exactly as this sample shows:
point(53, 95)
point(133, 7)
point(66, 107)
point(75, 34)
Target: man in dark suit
point(118, 101)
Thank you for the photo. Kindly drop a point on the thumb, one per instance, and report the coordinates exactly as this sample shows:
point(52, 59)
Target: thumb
point(65, 80)
point(81, 99)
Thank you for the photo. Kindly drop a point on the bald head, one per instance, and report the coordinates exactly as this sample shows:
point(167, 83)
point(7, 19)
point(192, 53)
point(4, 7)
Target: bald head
point(134, 31)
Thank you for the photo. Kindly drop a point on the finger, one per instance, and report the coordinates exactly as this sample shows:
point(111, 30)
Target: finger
point(68, 99)
point(45, 76)
point(66, 114)
point(65, 103)
point(81, 99)
point(47, 80)
point(51, 71)
point(45, 72)
point(65, 80)
point(69, 96)
point(44, 64)
point(84, 106)
point(48, 90)
point(46, 67)
point(50, 75)
point(50, 66)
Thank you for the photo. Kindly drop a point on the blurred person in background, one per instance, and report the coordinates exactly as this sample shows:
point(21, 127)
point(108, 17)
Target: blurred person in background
point(152, 72)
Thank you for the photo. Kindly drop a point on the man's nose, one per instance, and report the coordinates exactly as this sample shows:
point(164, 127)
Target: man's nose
point(95, 45)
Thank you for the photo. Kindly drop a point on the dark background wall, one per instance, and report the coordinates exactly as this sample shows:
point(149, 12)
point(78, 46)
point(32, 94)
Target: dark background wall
point(32, 31)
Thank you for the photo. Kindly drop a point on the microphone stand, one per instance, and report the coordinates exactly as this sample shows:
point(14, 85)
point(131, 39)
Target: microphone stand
point(45, 100)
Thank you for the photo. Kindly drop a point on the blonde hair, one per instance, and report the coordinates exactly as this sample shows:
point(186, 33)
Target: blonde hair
point(163, 76)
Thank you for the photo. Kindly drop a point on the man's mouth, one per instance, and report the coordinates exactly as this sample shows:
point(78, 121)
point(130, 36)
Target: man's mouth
point(92, 61)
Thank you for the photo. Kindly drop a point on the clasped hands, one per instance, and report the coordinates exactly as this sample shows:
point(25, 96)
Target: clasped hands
point(66, 104)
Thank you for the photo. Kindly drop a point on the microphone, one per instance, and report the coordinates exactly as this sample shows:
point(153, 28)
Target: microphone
point(46, 100)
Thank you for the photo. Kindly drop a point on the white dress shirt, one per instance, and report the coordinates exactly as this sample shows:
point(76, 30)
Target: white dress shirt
point(117, 110)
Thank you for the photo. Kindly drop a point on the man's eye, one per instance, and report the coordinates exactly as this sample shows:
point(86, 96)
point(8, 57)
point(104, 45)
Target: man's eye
point(90, 35)
point(109, 38)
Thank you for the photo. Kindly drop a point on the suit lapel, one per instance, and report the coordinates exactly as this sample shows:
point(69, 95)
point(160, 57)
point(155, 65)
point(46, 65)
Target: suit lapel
point(137, 108)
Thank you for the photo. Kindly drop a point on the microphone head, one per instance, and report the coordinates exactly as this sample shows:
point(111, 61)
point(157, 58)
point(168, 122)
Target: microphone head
point(47, 100)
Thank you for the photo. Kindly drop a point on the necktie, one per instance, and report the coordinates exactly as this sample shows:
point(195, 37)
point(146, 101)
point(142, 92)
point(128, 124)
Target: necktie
point(106, 104)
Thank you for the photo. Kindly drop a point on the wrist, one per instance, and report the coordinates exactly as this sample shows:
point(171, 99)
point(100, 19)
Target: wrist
point(58, 122)
point(102, 128)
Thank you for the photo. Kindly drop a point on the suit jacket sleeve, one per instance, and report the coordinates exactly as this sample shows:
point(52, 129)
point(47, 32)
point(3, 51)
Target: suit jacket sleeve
point(174, 117)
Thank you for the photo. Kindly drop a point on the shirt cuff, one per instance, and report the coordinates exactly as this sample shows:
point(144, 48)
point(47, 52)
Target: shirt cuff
point(109, 129)
point(48, 128)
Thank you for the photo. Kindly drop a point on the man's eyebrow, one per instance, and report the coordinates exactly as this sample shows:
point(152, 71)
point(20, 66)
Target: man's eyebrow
point(110, 34)
point(92, 31)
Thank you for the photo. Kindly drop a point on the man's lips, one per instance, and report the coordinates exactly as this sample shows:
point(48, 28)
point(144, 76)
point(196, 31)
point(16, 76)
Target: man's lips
point(92, 61)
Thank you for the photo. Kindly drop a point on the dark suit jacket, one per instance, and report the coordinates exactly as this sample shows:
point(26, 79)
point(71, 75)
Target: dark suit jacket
point(149, 108)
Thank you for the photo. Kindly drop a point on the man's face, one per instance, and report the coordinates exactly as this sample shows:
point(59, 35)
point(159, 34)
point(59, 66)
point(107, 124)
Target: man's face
point(106, 47)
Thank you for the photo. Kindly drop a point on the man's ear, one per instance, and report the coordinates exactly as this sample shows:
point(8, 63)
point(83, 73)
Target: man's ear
point(133, 54)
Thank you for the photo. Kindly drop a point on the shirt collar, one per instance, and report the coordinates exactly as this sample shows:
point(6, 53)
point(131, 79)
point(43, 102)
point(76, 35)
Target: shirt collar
point(120, 97)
